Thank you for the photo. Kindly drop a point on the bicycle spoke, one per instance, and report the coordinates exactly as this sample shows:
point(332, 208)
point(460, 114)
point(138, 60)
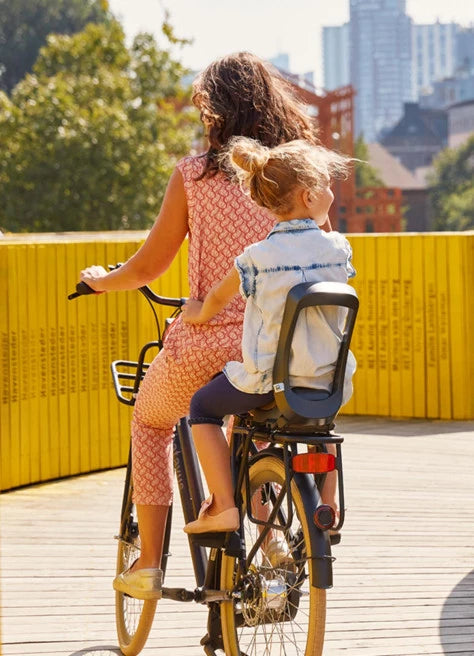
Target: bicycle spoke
point(280, 613)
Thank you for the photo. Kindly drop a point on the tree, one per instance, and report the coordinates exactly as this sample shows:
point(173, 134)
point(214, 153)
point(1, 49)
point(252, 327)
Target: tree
point(25, 25)
point(89, 140)
point(452, 188)
point(365, 174)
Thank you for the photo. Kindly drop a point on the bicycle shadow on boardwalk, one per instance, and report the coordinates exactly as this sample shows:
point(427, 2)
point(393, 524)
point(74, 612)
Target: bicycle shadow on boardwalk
point(100, 650)
point(456, 625)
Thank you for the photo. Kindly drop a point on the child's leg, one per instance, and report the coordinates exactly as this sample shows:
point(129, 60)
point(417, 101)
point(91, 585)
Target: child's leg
point(329, 490)
point(208, 407)
point(214, 455)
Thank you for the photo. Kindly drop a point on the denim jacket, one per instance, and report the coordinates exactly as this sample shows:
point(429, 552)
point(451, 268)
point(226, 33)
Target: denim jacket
point(295, 251)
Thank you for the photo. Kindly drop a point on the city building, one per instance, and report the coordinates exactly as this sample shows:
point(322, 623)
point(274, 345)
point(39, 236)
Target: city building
point(281, 61)
point(336, 56)
point(389, 61)
point(465, 49)
point(460, 123)
point(433, 55)
point(380, 61)
point(418, 137)
point(452, 90)
point(363, 209)
point(415, 199)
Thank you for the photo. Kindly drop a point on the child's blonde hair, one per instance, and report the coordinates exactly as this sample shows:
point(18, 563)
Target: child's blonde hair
point(272, 175)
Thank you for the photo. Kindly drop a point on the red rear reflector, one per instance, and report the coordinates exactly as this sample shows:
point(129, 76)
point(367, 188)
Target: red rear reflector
point(314, 463)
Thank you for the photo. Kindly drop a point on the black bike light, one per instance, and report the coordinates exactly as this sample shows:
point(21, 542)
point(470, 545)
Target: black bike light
point(324, 517)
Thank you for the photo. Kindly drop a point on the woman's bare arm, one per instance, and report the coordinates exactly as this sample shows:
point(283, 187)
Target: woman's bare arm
point(158, 251)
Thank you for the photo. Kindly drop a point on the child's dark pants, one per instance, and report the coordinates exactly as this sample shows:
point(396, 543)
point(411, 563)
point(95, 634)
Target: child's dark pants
point(219, 398)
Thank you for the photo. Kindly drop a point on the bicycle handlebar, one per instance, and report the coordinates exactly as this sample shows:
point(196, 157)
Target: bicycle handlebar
point(83, 288)
point(161, 300)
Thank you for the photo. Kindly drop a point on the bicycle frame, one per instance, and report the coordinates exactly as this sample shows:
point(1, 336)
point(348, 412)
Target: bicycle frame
point(191, 491)
point(244, 453)
point(190, 486)
point(242, 449)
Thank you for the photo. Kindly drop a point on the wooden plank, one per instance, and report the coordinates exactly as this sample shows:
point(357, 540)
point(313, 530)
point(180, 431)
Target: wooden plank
point(403, 577)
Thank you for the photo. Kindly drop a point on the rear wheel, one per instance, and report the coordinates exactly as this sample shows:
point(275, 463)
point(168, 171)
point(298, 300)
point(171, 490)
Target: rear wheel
point(275, 608)
point(134, 617)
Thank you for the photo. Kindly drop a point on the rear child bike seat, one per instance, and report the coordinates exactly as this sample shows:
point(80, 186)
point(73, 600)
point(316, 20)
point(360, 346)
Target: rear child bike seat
point(305, 409)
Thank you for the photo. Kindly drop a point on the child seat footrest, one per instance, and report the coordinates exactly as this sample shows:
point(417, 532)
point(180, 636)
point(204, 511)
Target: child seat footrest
point(230, 542)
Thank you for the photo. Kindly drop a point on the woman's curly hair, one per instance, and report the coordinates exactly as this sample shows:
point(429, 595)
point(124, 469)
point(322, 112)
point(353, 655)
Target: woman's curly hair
point(240, 95)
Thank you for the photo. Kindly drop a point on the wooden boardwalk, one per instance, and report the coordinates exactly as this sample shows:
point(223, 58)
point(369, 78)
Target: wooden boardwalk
point(404, 575)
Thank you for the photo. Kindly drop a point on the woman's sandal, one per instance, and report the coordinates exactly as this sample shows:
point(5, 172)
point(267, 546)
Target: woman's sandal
point(141, 583)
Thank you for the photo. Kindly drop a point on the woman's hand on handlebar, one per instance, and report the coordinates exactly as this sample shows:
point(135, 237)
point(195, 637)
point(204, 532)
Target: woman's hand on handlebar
point(191, 311)
point(92, 276)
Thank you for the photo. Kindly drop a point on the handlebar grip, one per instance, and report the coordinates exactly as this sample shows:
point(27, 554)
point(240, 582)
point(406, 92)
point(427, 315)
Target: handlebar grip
point(82, 289)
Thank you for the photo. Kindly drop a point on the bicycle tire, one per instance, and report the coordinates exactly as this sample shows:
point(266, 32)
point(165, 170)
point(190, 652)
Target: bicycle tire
point(249, 625)
point(134, 617)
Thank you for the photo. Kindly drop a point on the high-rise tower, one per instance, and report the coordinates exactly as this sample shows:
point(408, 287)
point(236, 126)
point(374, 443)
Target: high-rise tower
point(433, 54)
point(336, 56)
point(380, 53)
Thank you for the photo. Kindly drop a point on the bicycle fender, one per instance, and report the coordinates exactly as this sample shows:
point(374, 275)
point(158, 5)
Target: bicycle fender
point(321, 561)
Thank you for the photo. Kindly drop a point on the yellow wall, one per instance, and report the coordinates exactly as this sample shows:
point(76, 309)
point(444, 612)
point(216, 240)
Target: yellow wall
point(59, 415)
point(414, 335)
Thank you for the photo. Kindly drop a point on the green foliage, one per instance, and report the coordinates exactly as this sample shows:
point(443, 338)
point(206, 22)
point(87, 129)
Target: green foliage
point(89, 140)
point(25, 25)
point(452, 188)
point(86, 54)
point(365, 174)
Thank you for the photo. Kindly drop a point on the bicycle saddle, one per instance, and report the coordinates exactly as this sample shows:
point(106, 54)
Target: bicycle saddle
point(304, 409)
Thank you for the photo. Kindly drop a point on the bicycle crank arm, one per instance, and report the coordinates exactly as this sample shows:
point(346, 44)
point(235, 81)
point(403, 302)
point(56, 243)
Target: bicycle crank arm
point(178, 594)
point(207, 596)
point(199, 595)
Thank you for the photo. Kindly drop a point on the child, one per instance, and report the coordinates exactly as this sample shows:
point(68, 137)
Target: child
point(292, 180)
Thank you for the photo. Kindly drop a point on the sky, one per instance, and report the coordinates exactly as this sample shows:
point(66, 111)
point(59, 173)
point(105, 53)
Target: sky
point(264, 27)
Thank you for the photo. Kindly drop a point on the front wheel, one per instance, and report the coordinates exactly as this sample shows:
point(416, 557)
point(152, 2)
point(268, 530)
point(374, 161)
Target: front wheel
point(275, 606)
point(134, 617)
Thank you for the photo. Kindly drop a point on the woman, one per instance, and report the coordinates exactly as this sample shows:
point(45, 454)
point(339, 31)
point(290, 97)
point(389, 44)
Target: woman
point(237, 95)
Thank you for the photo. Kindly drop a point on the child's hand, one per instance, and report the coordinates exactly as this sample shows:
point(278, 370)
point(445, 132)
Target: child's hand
point(191, 311)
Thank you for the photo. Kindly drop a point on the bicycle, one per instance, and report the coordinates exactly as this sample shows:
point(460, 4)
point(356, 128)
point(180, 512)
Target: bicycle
point(256, 602)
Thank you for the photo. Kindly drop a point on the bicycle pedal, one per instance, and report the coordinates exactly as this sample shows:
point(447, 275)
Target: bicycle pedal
point(211, 645)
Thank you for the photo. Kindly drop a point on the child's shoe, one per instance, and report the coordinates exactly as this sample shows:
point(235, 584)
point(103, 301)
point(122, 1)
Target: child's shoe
point(278, 555)
point(226, 521)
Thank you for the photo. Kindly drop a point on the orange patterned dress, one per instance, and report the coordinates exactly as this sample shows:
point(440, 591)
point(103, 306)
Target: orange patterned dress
point(222, 221)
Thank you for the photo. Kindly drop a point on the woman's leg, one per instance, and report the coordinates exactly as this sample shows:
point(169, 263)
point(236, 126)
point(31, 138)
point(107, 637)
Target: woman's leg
point(153, 487)
point(181, 368)
point(152, 523)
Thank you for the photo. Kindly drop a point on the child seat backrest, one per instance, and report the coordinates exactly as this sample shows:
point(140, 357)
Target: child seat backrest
point(305, 407)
